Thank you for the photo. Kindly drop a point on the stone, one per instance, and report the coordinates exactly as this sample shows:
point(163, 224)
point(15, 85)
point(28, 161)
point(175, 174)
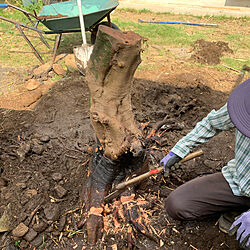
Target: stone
point(5, 222)
point(71, 63)
point(30, 235)
point(50, 229)
point(37, 149)
point(51, 74)
point(30, 98)
point(40, 227)
point(22, 185)
point(44, 138)
point(52, 212)
point(44, 68)
point(62, 223)
point(20, 230)
point(38, 241)
point(60, 191)
point(24, 200)
point(57, 176)
point(23, 149)
point(60, 57)
point(23, 245)
point(3, 183)
point(59, 70)
point(32, 84)
point(11, 247)
point(30, 193)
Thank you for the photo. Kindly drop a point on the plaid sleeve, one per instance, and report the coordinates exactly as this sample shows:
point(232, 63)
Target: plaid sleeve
point(211, 125)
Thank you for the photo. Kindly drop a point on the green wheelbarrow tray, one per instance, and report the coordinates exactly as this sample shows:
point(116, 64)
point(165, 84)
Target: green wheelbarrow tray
point(64, 16)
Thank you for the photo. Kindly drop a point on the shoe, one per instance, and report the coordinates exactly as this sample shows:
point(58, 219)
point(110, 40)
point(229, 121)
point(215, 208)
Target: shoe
point(226, 220)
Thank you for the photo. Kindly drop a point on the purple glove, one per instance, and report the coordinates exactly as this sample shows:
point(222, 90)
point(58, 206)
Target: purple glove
point(168, 161)
point(242, 226)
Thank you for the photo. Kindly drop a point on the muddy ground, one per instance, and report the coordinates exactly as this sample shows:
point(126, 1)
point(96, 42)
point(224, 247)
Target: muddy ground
point(44, 155)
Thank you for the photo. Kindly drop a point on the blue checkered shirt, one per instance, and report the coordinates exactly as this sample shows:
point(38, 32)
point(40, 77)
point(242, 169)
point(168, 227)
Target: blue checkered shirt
point(237, 171)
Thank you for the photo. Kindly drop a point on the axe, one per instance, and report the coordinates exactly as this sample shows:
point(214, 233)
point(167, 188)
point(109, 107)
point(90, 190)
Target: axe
point(119, 188)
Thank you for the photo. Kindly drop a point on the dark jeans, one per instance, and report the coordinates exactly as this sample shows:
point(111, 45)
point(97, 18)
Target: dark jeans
point(202, 197)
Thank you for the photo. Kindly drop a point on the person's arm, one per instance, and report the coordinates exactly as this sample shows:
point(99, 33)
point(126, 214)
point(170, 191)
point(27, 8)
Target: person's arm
point(211, 125)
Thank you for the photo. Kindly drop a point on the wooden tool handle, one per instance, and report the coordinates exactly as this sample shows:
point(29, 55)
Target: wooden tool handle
point(191, 156)
point(155, 171)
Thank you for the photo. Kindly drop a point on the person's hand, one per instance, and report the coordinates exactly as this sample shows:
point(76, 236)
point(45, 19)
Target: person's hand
point(168, 161)
point(242, 227)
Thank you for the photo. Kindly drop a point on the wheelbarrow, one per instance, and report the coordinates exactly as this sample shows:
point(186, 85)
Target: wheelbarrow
point(63, 17)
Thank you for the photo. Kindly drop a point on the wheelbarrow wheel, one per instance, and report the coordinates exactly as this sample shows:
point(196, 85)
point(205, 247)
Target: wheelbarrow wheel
point(94, 32)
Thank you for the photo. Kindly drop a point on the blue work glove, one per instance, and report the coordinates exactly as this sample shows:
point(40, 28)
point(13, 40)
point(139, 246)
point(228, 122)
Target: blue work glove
point(242, 227)
point(168, 161)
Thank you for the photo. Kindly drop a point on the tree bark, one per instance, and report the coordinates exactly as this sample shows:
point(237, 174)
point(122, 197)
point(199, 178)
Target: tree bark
point(110, 71)
point(115, 57)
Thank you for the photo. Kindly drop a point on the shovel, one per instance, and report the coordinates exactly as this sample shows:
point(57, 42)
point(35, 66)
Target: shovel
point(82, 53)
point(122, 186)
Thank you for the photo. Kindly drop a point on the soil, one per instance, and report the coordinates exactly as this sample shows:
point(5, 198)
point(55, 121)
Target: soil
point(209, 52)
point(45, 149)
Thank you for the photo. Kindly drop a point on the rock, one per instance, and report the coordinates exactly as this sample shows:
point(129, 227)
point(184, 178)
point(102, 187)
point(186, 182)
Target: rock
point(30, 235)
point(38, 241)
point(44, 138)
point(52, 212)
point(3, 183)
point(7, 195)
point(23, 245)
point(60, 57)
point(5, 222)
point(40, 227)
point(11, 247)
point(37, 149)
point(71, 63)
point(30, 193)
point(23, 150)
point(46, 185)
point(59, 70)
point(56, 233)
point(32, 84)
point(90, 150)
point(51, 74)
point(24, 200)
point(50, 229)
point(22, 185)
point(30, 98)
point(20, 230)
point(62, 223)
point(44, 77)
point(57, 176)
point(60, 191)
point(44, 68)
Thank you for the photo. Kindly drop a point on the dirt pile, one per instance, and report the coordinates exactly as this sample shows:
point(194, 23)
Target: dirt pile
point(209, 52)
point(44, 155)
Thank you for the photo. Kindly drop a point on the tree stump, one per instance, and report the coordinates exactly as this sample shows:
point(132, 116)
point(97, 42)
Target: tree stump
point(115, 57)
point(110, 71)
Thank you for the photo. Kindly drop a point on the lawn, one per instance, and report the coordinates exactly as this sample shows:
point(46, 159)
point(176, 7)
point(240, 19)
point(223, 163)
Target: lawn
point(165, 37)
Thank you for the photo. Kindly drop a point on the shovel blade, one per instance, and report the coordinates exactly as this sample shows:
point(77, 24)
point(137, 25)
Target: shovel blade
point(82, 55)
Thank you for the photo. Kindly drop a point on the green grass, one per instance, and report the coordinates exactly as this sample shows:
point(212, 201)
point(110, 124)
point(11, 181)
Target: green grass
point(161, 34)
point(219, 18)
point(234, 63)
point(135, 10)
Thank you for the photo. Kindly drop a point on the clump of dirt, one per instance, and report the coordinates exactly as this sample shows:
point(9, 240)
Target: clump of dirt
point(209, 52)
point(44, 155)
